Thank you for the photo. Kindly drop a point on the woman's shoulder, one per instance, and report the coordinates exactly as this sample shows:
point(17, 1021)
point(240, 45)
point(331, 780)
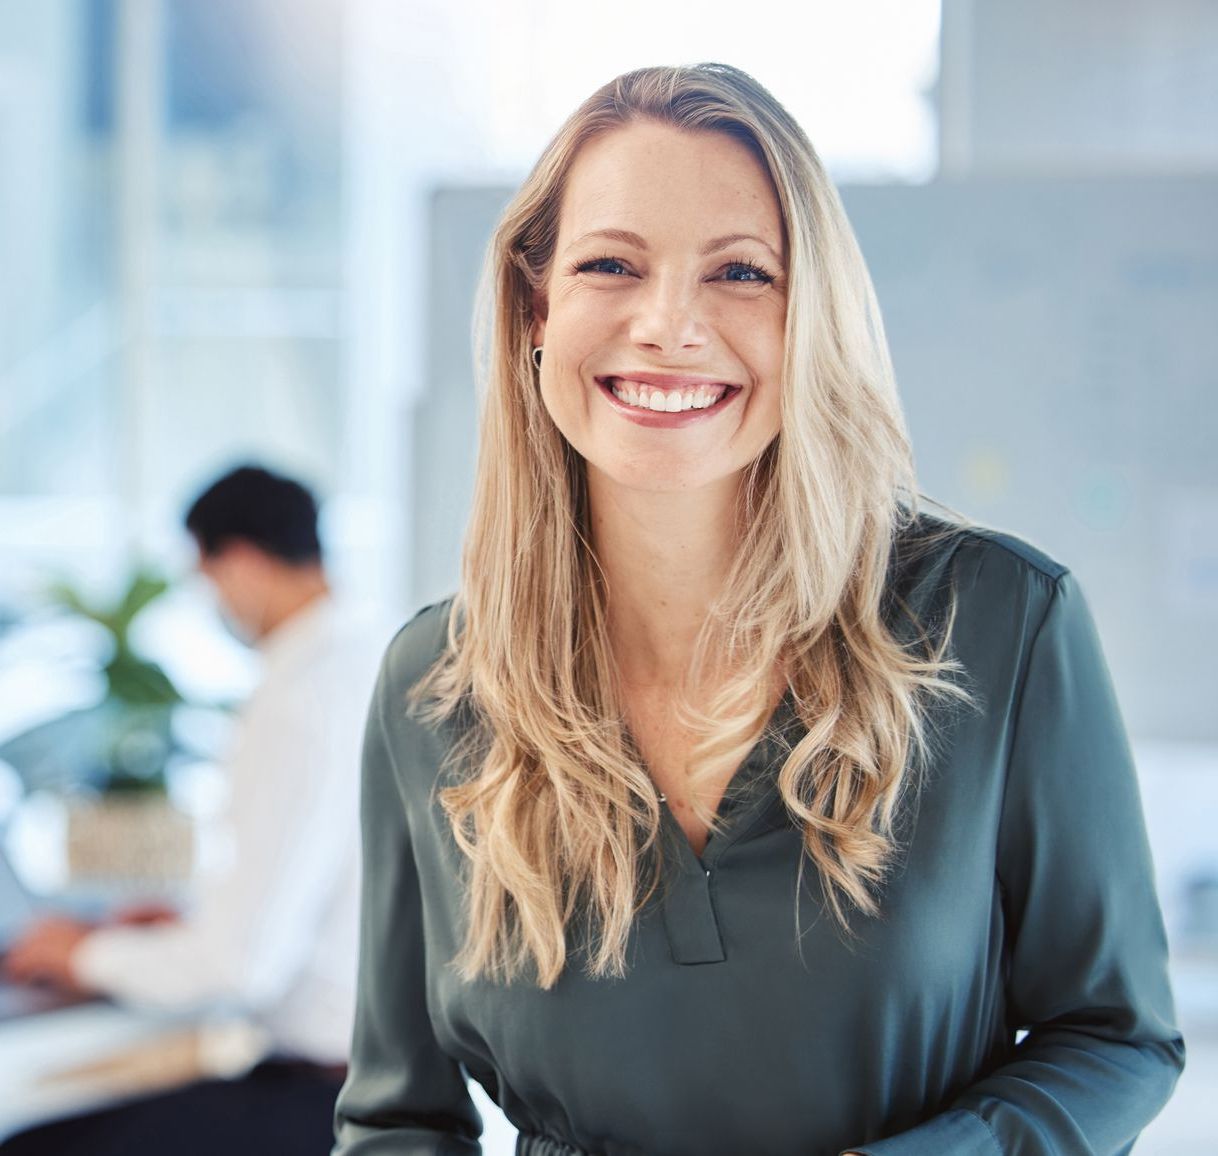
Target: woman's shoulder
point(997, 586)
point(932, 550)
point(417, 643)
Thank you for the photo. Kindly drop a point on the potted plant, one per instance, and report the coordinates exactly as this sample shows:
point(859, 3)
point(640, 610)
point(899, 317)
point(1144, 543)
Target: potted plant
point(110, 758)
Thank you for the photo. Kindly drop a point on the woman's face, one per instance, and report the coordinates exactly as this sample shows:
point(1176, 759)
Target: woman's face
point(667, 289)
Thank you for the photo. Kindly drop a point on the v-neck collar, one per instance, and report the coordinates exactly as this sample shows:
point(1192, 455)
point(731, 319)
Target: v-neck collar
point(689, 880)
point(745, 796)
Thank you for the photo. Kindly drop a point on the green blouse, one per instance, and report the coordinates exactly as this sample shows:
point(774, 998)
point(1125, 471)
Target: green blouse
point(1012, 996)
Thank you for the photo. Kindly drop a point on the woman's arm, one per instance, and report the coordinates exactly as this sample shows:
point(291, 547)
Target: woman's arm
point(403, 1094)
point(1088, 954)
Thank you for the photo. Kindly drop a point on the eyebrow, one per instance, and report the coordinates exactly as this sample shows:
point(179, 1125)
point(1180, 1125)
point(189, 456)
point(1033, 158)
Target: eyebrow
point(713, 246)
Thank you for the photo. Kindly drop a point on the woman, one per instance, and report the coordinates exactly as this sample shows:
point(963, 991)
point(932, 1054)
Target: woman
point(734, 804)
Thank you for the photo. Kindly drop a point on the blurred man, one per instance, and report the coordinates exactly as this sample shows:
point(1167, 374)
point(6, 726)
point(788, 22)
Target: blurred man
point(276, 934)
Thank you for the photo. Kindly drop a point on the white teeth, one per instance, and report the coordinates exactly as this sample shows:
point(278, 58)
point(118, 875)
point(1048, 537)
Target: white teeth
point(670, 401)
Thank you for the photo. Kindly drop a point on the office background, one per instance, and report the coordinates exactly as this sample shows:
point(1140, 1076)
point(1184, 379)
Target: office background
point(238, 229)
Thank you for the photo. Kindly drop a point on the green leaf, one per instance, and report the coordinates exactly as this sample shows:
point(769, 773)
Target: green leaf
point(62, 593)
point(139, 682)
point(145, 587)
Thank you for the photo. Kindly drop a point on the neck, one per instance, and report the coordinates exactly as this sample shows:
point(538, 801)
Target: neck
point(665, 557)
point(293, 593)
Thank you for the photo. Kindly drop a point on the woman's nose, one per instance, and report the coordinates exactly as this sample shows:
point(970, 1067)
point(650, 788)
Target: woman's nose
point(666, 317)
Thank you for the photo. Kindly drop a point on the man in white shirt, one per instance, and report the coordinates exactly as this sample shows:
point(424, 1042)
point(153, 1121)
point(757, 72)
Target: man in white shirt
point(276, 935)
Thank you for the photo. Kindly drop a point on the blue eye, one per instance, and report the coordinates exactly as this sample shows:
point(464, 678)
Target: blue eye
point(601, 265)
point(753, 274)
point(736, 272)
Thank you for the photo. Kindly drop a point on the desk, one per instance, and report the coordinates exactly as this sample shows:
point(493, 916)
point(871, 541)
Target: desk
point(78, 1058)
point(35, 1049)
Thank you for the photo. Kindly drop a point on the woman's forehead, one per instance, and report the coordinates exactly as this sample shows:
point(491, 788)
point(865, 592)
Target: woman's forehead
point(648, 180)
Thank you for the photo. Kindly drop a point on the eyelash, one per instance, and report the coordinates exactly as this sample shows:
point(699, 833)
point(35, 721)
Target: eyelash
point(763, 277)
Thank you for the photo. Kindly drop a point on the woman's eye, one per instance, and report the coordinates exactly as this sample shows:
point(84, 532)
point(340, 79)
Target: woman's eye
point(747, 273)
point(601, 265)
point(739, 272)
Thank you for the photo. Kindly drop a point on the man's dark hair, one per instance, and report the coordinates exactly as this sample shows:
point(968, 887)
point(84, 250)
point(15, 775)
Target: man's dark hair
point(254, 505)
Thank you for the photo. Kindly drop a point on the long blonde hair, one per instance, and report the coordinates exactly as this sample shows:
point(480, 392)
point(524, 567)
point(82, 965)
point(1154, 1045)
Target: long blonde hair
point(548, 798)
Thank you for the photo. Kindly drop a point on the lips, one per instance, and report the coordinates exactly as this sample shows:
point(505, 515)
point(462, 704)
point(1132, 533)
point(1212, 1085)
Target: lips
point(663, 417)
point(665, 381)
point(653, 385)
point(670, 400)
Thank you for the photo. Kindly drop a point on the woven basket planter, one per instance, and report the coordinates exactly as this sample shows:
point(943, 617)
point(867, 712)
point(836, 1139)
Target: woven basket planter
point(138, 839)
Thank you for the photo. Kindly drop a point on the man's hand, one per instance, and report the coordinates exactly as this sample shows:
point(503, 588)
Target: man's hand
point(43, 954)
point(144, 915)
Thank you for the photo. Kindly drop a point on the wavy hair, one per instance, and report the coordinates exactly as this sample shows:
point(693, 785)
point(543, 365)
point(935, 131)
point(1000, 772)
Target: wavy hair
point(549, 799)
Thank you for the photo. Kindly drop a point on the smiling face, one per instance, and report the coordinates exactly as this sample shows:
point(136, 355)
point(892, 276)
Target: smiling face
point(663, 311)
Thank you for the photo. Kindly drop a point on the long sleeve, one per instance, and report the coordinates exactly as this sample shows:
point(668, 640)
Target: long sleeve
point(292, 821)
point(403, 1094)
point(1087, 975)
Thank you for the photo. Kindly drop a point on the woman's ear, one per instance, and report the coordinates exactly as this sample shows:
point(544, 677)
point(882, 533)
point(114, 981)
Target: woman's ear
point(540, 310)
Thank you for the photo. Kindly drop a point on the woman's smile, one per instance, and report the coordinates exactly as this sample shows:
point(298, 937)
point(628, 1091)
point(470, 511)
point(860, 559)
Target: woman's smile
point(668, 406)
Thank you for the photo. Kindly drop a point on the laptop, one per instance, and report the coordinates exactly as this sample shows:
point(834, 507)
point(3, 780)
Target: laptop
point(18, 908)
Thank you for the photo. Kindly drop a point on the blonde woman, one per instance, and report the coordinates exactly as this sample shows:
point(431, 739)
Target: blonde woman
point(736, 804)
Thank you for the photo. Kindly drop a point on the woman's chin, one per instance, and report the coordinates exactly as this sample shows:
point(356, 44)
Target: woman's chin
point(659, 477)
